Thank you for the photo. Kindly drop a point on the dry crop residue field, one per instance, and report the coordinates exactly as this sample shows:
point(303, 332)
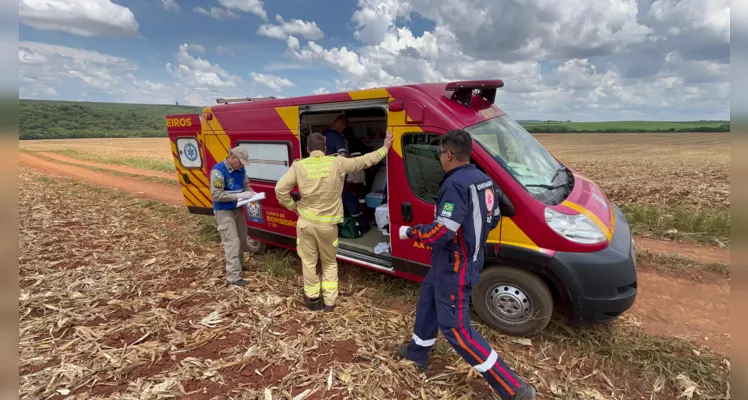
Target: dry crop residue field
point(156, 149)
point(659, 168)
point(682, 168)
point(123, 297)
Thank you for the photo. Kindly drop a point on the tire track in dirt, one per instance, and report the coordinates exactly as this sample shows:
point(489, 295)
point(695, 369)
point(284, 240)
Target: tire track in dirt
point(664, 305)
point(118, 168)
point(696, 252)
point(139, 188)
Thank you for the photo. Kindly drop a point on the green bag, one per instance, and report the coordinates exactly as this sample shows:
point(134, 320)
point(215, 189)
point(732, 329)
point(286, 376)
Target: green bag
point(349, 228)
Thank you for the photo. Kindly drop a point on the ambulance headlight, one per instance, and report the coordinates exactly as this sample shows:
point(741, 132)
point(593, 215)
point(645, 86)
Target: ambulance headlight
point(577, 228)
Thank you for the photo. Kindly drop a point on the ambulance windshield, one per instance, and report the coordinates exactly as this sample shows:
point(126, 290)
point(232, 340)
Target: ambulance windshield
point(522, 156)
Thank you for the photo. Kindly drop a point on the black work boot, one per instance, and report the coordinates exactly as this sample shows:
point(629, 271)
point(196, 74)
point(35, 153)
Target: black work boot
point(327, 308)
point(313, 304)
point(402, 354)
point(239, 282)
point(526, 392)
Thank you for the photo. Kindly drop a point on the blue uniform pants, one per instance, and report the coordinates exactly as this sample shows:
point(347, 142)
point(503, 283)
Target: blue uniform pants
point(443, 304)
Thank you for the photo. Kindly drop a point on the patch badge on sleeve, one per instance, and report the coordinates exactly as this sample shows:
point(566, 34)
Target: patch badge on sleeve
point(447, 210)
point(489, 200)
point(217, 180)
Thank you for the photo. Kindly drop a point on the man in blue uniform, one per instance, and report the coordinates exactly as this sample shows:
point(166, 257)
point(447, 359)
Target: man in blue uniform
point(228, 184)
point(334, 139)
point(466, 211)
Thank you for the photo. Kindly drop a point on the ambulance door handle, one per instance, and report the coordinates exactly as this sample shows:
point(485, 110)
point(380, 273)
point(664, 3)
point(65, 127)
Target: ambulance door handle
point(407, 212)
point(295, 196)
point(186, 178)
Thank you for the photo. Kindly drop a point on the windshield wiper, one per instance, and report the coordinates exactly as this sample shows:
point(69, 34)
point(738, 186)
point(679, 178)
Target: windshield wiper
point(558, 171)
point(551, 187)
point(542, 185)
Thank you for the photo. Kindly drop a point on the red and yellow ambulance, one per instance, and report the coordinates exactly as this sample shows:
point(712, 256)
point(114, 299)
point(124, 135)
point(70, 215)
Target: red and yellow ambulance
point(560, 241)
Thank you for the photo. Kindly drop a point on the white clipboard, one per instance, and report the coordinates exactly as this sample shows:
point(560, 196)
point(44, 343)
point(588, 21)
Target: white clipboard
point(256, 197)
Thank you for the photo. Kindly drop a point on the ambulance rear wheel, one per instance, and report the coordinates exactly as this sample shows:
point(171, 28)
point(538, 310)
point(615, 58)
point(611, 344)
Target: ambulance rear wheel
point(513, 300)
point(255, 246)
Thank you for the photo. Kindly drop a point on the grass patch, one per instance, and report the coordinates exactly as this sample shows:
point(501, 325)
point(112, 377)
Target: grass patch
point(207, 230)
point(45, 179)
point(677, 264)
point(705, 225)
point(163, 210)
point(141, 163)
point(279, 263)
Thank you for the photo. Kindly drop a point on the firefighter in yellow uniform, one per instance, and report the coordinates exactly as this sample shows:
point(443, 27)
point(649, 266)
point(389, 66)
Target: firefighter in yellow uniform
point(320, 180)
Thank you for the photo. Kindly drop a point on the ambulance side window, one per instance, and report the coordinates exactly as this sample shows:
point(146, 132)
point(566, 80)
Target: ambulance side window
point(268, 161)
point(422, 167)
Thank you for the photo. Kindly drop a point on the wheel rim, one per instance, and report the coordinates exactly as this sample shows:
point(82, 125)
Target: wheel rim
point(509, 303)
point(253, 244)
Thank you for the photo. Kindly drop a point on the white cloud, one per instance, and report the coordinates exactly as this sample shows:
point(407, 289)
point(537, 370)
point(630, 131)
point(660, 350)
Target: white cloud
point(293, 43)
point(321, 90)
point(100, 18)
point(291, 28)
point(218, 13)
point(272, 82)
point(197, 48)
point(221, 50)
point(252, 6)
point(374, 19)
point(561, 59)
point(42, 66)
point(558, 59)
point(45, 69)
point(200, 73)
point(171, 5)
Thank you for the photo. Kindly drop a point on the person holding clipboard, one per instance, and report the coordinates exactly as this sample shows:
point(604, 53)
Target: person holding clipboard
point(229, 185)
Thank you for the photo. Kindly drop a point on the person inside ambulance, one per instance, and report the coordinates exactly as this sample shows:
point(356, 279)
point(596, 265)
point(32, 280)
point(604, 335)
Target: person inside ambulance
point(334, 139)
point(467, 209)
point(228, 184)
point(320, 180)
point(351, 201)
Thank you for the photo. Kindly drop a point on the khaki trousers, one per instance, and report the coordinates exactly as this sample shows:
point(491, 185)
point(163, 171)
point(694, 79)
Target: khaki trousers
point(318, 242)
point(233, 230)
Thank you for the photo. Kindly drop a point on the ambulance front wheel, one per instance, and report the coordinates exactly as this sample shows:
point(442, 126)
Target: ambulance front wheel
point(255, 246)
point(513, 300)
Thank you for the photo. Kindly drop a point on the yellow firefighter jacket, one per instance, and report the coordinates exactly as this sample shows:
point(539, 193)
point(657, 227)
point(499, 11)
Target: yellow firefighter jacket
point(320, 179)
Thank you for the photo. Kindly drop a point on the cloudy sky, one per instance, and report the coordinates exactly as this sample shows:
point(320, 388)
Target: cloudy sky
point(581, 60)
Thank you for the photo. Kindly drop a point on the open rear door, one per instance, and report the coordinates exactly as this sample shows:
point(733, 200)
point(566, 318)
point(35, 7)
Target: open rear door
point(187, 150)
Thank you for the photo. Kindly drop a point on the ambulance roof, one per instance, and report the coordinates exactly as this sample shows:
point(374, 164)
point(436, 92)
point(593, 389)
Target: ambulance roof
point(435, 97)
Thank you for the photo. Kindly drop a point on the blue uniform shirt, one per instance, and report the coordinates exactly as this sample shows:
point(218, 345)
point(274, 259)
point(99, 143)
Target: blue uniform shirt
point(229, 181)
point(334, 141)
point(467, 209)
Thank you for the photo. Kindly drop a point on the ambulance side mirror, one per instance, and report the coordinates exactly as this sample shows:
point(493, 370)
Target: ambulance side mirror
point(506, 207)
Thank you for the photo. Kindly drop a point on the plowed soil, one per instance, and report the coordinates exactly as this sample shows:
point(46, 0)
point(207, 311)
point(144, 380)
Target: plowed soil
point(665, 306)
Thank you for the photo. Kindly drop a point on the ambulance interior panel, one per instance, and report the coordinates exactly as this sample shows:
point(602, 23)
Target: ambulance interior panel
point(370, 126)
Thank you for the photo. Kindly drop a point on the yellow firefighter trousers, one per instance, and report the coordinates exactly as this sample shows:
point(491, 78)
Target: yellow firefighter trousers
point(318, 241)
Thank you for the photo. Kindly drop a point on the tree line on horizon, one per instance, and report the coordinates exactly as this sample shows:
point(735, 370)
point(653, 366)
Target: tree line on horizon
point(70, 120)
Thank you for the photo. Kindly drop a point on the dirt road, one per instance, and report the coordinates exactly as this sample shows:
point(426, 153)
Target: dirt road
point(140, 188)
point(118, 168)
point(665, 305)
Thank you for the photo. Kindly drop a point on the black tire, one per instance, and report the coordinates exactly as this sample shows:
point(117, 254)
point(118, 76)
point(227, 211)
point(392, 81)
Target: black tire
point(514, 286)
point(256, 246)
